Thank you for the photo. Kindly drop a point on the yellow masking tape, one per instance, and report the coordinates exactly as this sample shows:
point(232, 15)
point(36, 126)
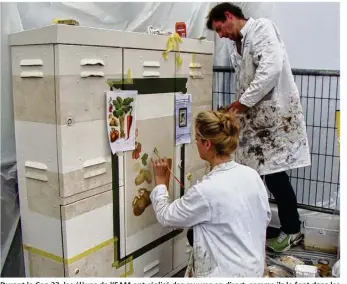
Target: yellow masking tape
point(173, 44)
point(71, 22)
point(43, 253)
point(118, 264)
point(84, 254)
point(128, 79)
point(72, 259)
point(179, 60)
point(131, 268)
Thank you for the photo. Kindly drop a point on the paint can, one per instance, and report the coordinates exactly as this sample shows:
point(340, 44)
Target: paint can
point(181, 29)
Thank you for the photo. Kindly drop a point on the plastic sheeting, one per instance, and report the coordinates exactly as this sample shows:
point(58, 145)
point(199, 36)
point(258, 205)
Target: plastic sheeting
point(127, 16)
point(9, 208)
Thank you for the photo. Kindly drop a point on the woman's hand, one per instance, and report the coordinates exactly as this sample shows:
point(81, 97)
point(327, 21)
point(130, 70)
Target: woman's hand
point(160, 170)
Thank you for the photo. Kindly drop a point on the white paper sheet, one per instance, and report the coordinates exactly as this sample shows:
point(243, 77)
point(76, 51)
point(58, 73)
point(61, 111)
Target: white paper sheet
point(183, 117)
point(121, 120)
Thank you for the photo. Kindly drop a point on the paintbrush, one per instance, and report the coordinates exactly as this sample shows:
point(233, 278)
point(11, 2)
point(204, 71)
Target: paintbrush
point(155, 151)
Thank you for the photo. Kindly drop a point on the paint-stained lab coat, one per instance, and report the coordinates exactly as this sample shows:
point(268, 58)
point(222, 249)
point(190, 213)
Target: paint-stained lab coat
point(273, 136)
point(229, 213)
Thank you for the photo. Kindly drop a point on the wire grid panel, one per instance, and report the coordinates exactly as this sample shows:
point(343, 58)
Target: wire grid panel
point(223, 87)
point(317, 186)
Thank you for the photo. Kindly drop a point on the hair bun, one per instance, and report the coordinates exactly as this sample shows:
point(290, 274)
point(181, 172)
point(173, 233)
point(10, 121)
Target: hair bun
point(228, 123)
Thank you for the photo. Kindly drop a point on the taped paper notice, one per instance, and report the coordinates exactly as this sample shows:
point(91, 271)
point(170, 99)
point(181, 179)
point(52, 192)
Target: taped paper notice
point(121, 120)
point(183, 111)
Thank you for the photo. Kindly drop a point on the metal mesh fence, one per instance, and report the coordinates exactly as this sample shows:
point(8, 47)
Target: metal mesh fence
point(317, 187)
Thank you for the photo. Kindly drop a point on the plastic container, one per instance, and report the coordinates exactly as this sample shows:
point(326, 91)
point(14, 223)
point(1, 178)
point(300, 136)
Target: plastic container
point(336, 269)
point(305, 271)
point(322, 234)
point(323, 268)
point(181, 29)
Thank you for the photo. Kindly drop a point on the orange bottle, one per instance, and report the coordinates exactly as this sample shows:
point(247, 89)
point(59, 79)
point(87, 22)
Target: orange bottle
point(181, 29)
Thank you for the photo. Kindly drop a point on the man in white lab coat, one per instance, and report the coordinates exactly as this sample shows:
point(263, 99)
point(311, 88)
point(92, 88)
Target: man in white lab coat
point(273, 138)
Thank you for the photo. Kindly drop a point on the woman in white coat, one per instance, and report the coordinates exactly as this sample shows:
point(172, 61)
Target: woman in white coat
point(228, 209)
point(273, 136)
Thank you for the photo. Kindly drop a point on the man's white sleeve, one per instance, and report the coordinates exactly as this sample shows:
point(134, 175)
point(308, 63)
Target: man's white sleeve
point(185, 212)
point(268, 56)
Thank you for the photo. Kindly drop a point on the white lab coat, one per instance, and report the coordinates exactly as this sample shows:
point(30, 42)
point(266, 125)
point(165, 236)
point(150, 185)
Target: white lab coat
point(229, 212)
point(273, 136)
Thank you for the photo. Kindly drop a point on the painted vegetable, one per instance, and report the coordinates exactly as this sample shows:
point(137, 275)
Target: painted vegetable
point(113, 122)
point(147, 175)
point(137, 151)
point(122, 107)
point(144, 175)
point(140, 178)
point(155, 151)
point(144, 159)
point(129, 123)
point(110, 107)
point(114, 135)
point(141, 202)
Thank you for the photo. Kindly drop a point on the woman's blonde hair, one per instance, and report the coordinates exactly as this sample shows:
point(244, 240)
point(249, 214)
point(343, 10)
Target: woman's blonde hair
point(221, 128)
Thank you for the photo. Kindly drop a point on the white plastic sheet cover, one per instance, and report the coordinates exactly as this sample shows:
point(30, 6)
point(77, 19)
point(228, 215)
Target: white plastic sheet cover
point(10, 22)
point(9, 204)
point(127, 16)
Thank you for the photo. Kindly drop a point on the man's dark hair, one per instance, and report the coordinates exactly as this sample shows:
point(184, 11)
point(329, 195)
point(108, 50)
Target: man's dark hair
point(218, 13)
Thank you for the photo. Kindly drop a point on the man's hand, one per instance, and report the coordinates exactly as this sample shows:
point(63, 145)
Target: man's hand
point(238, 107)
point(160, 170)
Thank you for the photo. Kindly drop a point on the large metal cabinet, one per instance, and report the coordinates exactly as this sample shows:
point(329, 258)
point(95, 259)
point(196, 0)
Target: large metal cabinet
point(66, 171)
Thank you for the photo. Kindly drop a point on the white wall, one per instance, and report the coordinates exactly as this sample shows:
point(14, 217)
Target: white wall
point(311, 32)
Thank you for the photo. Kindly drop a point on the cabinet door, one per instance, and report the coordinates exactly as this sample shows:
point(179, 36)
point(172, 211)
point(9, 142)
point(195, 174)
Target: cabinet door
point(148, 64)
point(84, 152)
point(181, 250)
point(37, 165)
point(153, 78)
point(198, 68)
point(154, 263)
point(81, 73)
point(33, 83)
point(88, 237)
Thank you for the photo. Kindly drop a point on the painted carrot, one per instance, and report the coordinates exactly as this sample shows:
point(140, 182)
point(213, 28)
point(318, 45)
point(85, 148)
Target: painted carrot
point(129, 122)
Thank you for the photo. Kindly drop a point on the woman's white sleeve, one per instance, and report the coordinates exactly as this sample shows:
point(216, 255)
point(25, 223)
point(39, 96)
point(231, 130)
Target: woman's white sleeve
point(185, 212)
